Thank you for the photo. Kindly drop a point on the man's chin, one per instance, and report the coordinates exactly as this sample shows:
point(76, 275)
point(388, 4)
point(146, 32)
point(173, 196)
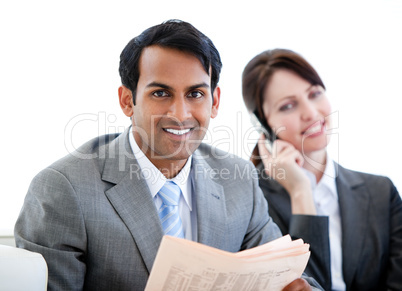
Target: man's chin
point(177, 153)
point(173, 156)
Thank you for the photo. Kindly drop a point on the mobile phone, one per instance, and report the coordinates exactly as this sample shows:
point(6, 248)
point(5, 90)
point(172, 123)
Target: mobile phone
point(261, 129)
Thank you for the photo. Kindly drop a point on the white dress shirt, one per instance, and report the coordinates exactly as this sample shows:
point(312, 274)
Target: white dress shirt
point(325, 196)
point(184, 179)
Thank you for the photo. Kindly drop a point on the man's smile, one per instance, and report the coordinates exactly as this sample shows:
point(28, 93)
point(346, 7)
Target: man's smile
point(176, 131)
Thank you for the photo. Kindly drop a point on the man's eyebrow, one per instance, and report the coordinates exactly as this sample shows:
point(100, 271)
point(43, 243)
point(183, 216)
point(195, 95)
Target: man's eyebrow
point(159, 85)
point(200, 85)
point(167, 87)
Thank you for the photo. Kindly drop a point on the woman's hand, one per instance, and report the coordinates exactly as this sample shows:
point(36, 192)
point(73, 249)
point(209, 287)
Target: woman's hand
point(284, 165)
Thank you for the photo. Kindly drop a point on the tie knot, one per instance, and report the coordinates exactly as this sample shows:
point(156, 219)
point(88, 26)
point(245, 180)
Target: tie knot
point(170, 193)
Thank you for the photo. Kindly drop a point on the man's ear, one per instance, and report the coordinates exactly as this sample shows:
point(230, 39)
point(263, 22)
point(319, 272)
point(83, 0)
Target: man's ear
point(216, 101)
point(126, 100)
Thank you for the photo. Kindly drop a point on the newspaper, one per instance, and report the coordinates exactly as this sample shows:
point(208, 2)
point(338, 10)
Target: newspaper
point(186, 265)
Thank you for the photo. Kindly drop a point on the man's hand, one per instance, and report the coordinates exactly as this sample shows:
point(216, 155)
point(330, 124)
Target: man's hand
point(298, 285)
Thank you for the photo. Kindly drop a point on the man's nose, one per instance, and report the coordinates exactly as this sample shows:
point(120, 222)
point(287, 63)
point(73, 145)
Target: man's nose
point(179, 109)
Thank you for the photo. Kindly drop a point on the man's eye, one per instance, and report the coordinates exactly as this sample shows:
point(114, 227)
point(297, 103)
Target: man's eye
point(160, 93)
point(195, 94)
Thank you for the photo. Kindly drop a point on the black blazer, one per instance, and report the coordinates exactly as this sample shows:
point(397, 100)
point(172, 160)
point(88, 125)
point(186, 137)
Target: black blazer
point(371, 218)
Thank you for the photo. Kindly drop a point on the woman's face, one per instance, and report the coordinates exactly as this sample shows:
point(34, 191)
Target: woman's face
point(297, 111)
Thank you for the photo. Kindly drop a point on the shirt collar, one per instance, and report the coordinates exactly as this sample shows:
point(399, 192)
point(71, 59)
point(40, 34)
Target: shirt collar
point(155, 179)
point(327, 180)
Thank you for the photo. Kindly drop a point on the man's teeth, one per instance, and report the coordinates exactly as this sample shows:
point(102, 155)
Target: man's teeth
point(178, 132)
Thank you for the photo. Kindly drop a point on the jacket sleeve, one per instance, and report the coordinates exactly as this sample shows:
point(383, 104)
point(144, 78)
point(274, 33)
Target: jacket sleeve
point(51, 223)
point(394, 272)
point(314, 230)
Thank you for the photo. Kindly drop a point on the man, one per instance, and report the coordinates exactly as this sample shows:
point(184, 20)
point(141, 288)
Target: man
point(96, 220)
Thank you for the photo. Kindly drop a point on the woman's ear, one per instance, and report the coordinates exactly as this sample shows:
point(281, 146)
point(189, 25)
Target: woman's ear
point(126, 100)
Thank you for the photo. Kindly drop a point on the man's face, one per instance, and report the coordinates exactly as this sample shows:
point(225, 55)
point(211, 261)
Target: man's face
point(173, 104)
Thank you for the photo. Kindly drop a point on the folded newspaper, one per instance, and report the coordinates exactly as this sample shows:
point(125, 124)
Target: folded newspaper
point(186, 265)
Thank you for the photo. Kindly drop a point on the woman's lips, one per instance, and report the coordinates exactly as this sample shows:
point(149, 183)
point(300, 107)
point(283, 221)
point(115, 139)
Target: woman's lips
point(315, 129)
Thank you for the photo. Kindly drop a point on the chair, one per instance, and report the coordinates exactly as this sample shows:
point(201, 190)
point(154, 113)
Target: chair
point(22, 270)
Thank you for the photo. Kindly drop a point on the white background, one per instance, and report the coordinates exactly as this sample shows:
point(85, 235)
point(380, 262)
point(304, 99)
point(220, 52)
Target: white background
point(59, 75)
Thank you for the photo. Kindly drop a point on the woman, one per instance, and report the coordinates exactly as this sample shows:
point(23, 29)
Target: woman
point(352, 220)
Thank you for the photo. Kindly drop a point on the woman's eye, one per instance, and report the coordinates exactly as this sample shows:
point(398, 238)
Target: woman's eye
point(315, 94)
point(195, 94)
point(160, 93)
point(317, 91)
point(286, 107)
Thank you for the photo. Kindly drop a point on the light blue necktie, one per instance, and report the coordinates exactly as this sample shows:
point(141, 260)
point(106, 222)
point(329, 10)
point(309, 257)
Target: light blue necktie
point(169, 211)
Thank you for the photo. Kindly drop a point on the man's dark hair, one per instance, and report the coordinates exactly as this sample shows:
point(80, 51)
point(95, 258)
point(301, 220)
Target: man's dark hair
point(174, 34)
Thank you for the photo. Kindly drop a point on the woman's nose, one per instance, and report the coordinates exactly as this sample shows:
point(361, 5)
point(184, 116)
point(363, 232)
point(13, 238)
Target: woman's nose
point(308, 111)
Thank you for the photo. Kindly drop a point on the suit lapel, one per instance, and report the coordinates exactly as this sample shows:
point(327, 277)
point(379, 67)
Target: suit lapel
point(354, 203)
point(211, 209)
point(131, 198)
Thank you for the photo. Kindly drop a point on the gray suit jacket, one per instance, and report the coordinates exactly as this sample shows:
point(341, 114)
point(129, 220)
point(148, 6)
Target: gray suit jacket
point(371, 215)
point(92, 217)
